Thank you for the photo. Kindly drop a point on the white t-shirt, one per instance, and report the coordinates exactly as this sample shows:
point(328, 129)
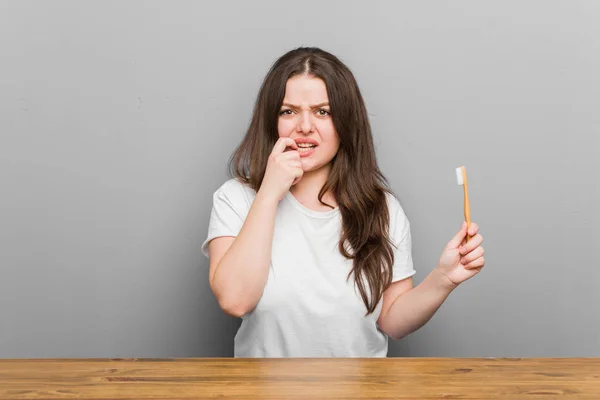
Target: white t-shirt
point(308, 308)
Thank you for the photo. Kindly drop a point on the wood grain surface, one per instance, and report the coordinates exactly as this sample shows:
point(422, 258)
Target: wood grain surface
point(332, 378)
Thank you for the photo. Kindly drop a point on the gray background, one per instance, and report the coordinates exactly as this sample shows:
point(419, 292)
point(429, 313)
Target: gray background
point(117, 120)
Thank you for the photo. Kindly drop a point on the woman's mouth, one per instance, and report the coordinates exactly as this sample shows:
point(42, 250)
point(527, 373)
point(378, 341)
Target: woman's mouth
point(306, 149)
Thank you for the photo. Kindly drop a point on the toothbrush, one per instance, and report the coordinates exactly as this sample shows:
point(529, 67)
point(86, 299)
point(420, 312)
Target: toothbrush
point(461, 179)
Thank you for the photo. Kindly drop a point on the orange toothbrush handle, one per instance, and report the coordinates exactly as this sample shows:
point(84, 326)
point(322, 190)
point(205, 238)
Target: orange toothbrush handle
point(467, 207)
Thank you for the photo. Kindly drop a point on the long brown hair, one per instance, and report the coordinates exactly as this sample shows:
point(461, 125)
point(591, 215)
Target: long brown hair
point(354, 179)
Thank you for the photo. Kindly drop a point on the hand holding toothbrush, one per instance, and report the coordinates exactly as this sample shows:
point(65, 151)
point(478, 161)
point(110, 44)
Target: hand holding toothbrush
point(463, 256)
point(460, 259)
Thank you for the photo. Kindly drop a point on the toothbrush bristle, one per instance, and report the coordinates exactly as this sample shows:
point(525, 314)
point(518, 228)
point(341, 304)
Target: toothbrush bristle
point(459, 176)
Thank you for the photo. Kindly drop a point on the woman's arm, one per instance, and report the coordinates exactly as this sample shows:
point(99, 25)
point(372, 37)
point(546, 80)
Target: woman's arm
point(239, 266)
point(406, 309)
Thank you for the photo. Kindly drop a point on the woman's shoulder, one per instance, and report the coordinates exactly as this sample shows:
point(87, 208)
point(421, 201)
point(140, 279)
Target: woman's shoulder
point(236, 191)
point(394, 204)
point(399, 222)
point(234, 185)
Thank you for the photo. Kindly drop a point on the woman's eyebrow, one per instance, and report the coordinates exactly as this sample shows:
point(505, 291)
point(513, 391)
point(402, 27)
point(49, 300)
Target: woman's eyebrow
point(324, 104)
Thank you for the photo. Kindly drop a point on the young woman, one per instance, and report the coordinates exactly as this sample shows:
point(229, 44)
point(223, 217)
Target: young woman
point(307, 243)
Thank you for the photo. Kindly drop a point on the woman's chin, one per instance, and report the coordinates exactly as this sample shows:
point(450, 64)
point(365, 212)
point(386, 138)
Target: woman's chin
point(310, 166)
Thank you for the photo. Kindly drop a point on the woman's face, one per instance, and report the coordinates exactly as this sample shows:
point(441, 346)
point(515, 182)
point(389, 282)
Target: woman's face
point(305, 116)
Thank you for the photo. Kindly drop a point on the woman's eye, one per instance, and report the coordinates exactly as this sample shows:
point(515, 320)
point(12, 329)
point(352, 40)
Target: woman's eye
point(323, 112)
point(285, 112)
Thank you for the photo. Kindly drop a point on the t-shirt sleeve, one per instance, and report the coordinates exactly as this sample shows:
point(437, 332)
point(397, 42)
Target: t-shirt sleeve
point(402, 241)
point(226, 216)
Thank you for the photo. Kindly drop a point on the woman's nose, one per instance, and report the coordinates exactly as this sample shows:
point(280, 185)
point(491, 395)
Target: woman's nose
point(306, 124)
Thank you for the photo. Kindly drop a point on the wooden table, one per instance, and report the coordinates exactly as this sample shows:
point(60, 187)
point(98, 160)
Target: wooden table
point(228, 378)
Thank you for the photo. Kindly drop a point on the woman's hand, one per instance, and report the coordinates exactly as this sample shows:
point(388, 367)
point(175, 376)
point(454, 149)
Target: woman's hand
point(461, 260)
point(284, 169)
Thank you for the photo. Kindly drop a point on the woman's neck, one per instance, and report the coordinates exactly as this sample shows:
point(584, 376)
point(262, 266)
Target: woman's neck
point(306, 191)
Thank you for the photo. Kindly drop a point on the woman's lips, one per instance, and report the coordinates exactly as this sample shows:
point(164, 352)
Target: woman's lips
point(302, 140)
point(305, 152)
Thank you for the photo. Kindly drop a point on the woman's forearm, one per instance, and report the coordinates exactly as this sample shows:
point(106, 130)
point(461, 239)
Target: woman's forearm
point(412, 309)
